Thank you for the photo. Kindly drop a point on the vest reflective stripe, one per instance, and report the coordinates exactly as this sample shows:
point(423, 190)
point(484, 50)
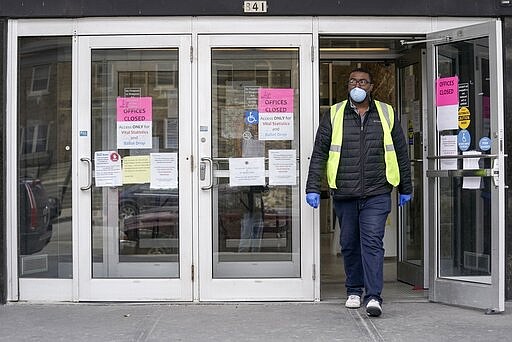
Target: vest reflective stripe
point(339, 108)
point(336, 139)
point(387, 116)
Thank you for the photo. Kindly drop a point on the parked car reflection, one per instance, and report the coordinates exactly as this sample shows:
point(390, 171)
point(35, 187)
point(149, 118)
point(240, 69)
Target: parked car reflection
point(254, 219)
point(135, 199)
point(149, 220)
point(37, 212)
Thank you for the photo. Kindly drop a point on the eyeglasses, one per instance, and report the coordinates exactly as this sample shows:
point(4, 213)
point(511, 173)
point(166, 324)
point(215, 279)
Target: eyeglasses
point(361, 82)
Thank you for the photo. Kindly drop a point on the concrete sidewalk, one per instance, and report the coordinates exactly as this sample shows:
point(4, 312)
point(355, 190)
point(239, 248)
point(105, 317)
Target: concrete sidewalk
point(323, 321)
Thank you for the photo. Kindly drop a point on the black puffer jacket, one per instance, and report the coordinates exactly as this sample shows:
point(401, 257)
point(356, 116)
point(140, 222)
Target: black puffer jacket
point(362, 170)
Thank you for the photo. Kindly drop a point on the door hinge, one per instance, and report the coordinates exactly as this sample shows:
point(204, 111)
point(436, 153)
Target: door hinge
point(191, 53)
point(314, 272)
point(191, 163)
point(312, 53)
point(192, 272)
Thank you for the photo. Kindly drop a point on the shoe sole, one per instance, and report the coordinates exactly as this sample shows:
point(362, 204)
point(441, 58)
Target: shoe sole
point(352, 306)
point(373, 311)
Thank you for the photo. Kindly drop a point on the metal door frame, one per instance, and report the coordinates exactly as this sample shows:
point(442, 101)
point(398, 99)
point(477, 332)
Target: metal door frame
point(226, 289)
point(130, 289)
point(421, 277)
point(457, 291)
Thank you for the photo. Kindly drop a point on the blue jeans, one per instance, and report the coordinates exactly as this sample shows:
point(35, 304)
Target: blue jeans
point(362, 223)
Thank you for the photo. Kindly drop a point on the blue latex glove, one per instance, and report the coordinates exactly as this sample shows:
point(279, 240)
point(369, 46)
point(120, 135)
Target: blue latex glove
point(404, 199)
point(313, 199)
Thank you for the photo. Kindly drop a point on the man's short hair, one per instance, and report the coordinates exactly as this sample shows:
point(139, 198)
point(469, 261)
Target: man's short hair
point(366, 71)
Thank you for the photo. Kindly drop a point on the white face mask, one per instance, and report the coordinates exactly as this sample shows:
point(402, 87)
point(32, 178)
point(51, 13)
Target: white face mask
point(358, 95)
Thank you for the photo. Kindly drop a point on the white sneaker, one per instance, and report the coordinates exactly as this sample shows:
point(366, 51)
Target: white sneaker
point(373, 308)
point(353, 302)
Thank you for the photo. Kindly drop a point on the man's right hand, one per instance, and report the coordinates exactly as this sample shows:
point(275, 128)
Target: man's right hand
point(313, 199)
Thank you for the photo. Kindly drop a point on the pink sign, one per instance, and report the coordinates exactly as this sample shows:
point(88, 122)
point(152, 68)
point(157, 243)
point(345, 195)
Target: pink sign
point(447, 91)
point(275, 100)
point(131, 109)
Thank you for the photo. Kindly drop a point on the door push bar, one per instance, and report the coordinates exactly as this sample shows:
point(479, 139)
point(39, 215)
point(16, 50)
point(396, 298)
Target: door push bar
point(494, 172)
point(466, 156)
point(460, 173)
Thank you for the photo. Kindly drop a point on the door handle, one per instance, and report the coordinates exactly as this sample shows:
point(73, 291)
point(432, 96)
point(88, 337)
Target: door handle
point(202, 172)
point(89, 165)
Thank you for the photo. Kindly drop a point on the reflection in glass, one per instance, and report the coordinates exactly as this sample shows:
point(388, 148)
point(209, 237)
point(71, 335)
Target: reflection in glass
point(44, 157)
point(135, 229)
point(412, 213)
point(256, 228)
point(465, 214)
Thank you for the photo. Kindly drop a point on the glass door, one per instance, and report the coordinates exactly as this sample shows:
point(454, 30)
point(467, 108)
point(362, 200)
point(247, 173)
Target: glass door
point(466, 167)
point(412, 229)
point(135, 219)
point(255, 110)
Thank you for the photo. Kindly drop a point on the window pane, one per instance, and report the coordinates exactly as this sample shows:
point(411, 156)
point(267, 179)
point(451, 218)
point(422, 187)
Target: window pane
point(44, 157)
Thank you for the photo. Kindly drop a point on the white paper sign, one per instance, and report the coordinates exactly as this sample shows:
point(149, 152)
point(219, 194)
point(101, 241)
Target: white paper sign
point(282, 167)
point(448, 148)
point(416, 116)
point(471, 164)
point(107, 168)
point(447, 117)
point(164, 171)
point(246, 171)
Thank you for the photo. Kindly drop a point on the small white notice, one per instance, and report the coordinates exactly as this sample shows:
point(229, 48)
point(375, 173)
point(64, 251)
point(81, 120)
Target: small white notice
point(448, 148)
point(107, 169)
point(164, 171)
point(471, 164)
point(447, 117)
point(282, 167)
point(246, 171)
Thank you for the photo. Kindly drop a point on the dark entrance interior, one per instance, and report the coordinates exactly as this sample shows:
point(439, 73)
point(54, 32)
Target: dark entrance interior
point(385, 58)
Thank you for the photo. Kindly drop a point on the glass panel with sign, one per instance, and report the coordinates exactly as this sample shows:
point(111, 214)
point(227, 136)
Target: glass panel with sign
point(463, 124)
point(255, 125)
point(134, 132)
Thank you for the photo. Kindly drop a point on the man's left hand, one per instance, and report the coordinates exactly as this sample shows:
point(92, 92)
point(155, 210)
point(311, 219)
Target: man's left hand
point(404, 198)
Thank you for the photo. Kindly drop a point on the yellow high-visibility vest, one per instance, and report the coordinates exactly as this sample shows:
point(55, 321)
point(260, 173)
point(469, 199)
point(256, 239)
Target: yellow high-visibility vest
point(387, 117)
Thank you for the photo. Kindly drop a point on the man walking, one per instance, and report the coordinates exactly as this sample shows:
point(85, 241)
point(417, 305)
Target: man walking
point(362, 148)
